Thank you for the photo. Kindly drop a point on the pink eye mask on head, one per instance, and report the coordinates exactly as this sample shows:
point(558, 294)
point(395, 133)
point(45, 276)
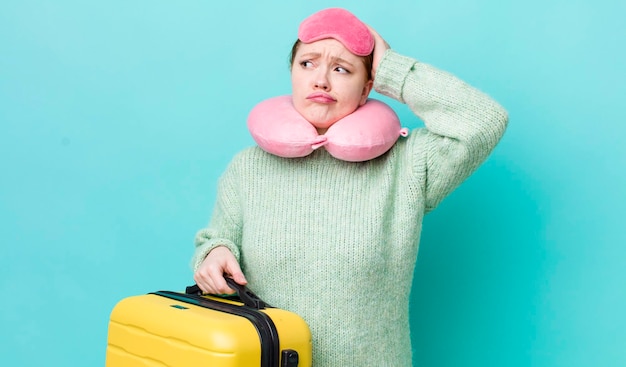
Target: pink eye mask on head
point(341, 25)
point(365, 134)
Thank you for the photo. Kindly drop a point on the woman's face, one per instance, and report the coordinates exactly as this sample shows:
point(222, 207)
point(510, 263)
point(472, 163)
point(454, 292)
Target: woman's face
point(328, 82)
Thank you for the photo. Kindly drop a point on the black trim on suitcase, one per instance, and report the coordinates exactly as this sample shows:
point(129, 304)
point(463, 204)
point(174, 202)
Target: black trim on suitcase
point(244, 295)
point(268, 335)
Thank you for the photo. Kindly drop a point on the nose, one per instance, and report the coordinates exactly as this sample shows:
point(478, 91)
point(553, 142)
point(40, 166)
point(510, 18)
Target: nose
point(321, 80)
point(321, 85)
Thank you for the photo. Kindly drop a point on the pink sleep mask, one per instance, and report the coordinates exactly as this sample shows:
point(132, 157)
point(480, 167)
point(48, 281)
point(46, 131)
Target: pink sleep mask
point(341, 25)
point(365, 134)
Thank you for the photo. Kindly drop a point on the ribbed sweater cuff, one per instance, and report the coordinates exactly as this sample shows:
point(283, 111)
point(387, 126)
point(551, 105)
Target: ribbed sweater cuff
point(391, 74)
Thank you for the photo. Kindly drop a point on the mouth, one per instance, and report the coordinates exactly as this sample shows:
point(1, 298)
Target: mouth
point(320, 97)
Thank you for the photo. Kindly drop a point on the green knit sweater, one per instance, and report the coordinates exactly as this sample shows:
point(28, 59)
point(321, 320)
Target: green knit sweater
point(336, 242)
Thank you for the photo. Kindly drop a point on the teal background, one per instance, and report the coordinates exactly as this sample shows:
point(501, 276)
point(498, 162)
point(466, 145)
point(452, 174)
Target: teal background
point(117, 117)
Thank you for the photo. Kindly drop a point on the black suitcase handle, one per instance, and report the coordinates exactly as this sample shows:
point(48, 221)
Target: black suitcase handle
point(245, 295)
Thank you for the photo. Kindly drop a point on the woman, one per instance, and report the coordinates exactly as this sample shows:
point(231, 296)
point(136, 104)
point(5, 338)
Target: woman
point(336, 241)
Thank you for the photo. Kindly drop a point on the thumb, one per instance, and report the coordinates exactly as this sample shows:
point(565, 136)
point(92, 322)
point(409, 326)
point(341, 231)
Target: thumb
point(235, 272)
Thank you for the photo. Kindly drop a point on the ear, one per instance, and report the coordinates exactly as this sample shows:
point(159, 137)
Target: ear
point(367, 88)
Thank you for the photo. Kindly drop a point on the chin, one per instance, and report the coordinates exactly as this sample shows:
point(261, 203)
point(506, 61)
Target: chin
point(319, 123)
point(322, 124)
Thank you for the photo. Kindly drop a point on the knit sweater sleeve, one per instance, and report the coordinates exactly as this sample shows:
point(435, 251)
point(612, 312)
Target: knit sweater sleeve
point(463, 125)
point(225, 227)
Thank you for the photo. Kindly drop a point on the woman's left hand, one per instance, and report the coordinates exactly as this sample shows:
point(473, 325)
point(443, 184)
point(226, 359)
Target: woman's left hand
point(380, 46)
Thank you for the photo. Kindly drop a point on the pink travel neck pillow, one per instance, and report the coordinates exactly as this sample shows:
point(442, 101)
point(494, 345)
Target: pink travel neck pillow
point(365, 134)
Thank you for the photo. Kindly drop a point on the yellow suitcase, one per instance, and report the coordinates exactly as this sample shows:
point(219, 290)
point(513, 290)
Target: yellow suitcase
point(187, 329)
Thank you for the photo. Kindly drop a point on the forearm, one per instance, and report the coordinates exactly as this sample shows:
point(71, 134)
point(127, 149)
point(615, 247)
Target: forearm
point(224, 228)
point(448, 106)
point(463, 125)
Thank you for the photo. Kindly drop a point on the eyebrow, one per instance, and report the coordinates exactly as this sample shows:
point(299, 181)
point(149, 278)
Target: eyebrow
point(315, 55)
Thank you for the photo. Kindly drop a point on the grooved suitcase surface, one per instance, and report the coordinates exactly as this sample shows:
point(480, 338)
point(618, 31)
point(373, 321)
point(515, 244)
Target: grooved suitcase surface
point(151, 330)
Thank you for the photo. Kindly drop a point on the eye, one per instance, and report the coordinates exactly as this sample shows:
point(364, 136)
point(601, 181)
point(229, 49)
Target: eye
point(306, 64)
point(342, 70)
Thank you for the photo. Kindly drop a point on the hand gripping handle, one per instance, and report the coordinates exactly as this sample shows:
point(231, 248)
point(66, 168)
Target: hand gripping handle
point(245, 295)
